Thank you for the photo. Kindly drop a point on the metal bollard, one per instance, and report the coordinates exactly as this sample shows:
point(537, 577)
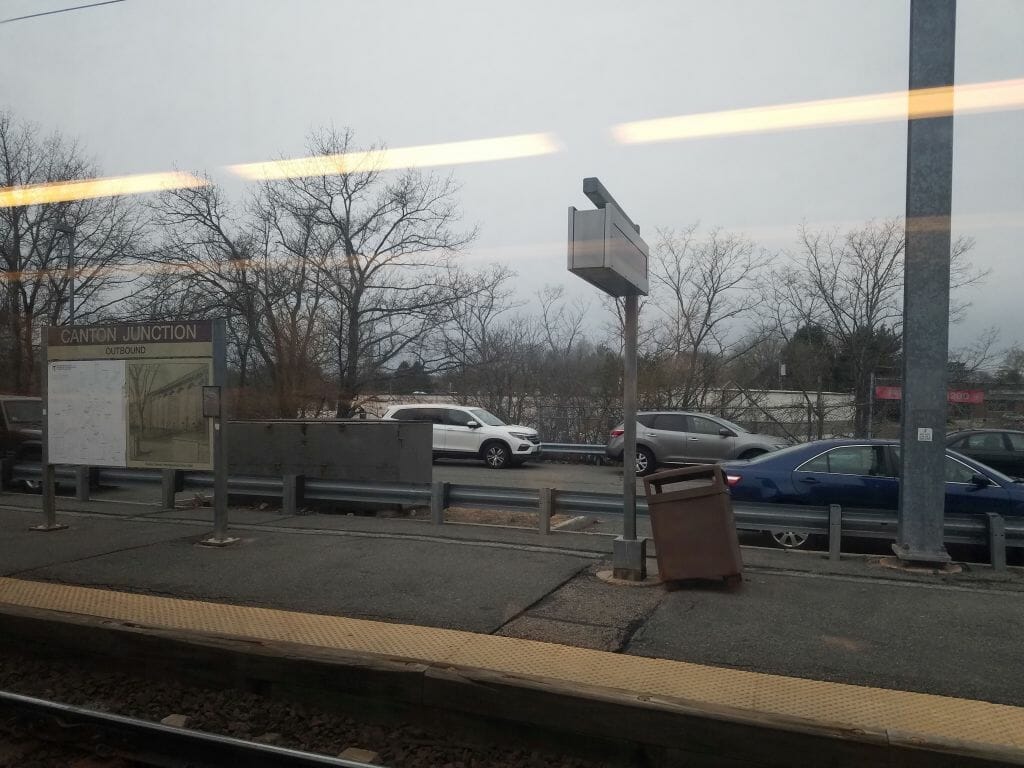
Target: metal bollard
point(547, 508)
point(438, 501)
point(835, 531)
point(171, 481)
point(996, 541)
point(6, 471)
point(83, 482)
point(291, 493)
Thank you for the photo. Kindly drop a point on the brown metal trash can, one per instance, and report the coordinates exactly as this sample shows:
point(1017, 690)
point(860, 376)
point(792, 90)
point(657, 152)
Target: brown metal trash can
point(694, 530)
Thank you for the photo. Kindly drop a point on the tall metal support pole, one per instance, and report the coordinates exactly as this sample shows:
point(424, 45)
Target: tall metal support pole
point(220, 444)
point(926, 290)
point(629, 410)
point(629, 556)
point(871, 404)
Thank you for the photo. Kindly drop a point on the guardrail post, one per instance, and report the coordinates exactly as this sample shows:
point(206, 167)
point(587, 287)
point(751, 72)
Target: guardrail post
point(291, 493)
point(438, 501)
point(545, 509)
point(171, 481)
point(835, 531)
point(996, 541)
point(83, 481)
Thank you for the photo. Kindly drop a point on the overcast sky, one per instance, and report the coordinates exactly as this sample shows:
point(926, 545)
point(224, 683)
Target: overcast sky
point(153, 85)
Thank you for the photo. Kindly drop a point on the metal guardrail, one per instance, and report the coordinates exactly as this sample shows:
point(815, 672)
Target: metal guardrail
point(375, 493)
point(571, 449)
point(854, 522)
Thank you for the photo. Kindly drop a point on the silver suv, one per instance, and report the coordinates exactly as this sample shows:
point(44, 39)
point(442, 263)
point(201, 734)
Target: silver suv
point(466, 433)
point(679, 437)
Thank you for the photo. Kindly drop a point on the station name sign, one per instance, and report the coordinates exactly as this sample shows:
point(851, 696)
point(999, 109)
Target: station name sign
point(191, 338)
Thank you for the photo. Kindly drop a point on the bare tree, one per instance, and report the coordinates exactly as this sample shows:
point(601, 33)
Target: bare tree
point(851, 285)
point(472, 333)
point(388, 258)
point(1011, 367)
point(259, 267)
point(34, 271)
point(703, 291)
point(977, 360)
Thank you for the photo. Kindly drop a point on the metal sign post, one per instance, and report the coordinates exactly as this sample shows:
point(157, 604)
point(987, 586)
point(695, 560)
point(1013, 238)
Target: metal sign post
point(220, 536)
point(135, 395)
point(926, 290)
point(47, 481)
point(606, 250)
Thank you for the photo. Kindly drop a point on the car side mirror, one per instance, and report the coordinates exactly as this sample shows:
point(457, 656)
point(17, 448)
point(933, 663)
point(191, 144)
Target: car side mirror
point(980, 481)
point(726, 432)
point(473, 424)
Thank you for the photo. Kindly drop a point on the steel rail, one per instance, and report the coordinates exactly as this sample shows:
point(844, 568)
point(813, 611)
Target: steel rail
point(164, 744)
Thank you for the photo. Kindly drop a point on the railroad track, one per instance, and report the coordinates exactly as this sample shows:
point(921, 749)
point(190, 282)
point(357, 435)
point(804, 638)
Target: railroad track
point(117, 740)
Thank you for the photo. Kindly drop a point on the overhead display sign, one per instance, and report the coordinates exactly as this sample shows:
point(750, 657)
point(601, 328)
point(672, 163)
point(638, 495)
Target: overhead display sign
point(130, 395)
point(607, 251)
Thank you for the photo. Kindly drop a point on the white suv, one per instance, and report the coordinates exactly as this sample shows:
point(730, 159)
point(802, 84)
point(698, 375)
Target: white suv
point(463, 432)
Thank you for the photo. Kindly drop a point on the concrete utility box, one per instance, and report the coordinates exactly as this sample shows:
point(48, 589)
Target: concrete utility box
point(360, 451)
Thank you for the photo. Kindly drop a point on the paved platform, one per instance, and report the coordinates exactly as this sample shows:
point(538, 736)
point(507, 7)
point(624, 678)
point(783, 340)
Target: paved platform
point(885, 717)
point(797, 614)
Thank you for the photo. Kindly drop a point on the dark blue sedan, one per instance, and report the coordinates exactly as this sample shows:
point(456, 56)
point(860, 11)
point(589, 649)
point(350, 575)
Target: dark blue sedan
point(863, 473)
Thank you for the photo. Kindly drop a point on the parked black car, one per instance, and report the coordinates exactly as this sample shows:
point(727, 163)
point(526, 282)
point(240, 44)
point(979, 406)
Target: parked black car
point(1001, 449)
point(21, 427)
point(21, 431)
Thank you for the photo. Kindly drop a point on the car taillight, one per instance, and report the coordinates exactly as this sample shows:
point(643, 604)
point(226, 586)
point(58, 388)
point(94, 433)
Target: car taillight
point(618, 432)
point(733, 479)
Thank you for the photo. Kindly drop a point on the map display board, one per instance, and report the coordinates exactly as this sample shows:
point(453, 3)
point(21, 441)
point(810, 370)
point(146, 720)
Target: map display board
point(130, 395)
point(87, 420)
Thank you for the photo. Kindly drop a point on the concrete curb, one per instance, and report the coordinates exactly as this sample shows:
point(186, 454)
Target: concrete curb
point(652, 730)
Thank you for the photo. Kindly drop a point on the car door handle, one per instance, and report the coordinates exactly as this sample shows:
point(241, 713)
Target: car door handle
point(694, 438)
point(810, 480)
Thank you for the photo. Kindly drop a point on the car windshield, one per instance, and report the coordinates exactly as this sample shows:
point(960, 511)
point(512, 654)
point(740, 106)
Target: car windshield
point(25, 412)
point(777, 454)
point(486, 417)
point(995, 474)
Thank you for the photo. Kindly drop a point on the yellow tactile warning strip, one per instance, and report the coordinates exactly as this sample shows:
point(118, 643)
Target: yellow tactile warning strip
point(914, 715)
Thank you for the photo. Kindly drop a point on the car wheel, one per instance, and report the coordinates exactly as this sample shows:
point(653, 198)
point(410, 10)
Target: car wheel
point(790, 539)
point(645, 463)
point(497, 455)
point(747, 455)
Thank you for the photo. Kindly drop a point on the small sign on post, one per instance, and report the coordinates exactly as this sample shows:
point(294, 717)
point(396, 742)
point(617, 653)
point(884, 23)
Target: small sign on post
point(605, 247)
point(211, 402)
point(606, 250)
